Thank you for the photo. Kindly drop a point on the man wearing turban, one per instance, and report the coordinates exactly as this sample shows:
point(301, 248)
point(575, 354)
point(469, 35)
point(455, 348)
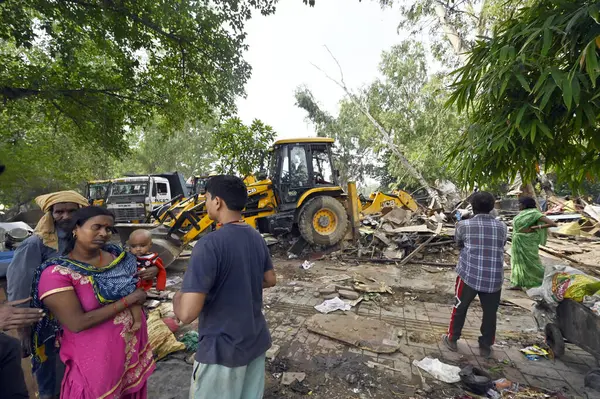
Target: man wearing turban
point(47, 242)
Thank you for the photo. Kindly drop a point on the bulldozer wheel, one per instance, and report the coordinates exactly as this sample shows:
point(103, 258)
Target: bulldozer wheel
point(323, 221)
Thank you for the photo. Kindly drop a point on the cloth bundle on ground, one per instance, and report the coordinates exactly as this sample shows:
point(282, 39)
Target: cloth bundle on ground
point(161, 339)
point(45, 228)
point(565, 282)
point(110, 284)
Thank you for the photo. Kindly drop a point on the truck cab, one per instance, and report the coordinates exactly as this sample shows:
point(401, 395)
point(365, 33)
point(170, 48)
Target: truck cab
point(136, 198)
point(132, 199)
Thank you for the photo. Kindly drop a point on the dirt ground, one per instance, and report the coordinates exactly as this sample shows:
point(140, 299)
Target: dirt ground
point(419, 306)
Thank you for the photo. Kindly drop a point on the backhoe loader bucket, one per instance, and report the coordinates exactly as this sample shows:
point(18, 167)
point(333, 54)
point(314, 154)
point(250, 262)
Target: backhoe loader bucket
point(167, 251)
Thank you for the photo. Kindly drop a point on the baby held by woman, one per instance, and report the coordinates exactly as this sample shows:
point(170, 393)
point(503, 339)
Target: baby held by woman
point(140, 245)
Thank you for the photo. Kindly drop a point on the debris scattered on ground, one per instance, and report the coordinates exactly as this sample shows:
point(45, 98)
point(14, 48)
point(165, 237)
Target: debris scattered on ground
point(289, 378)
point(534, 352)
point(331, 305)
point(362, 332)
point(307, 265)
point(174, 281)
point(190, 340)
point(441, 371)
point(349, 294)
point(273, 351)
point(476, 380)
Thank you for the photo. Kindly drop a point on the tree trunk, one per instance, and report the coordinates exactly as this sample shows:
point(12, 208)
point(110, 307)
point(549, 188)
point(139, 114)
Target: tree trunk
point(403, 160)
point(451, 33)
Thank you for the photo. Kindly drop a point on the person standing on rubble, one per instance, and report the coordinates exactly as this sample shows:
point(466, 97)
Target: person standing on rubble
point(223, 287)
point(529, 232)
point(48, 239)
point(480, 271)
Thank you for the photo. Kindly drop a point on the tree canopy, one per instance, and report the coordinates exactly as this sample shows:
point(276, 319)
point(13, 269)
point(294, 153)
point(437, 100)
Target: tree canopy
point(532, 96)
point(101, 67)
point(242, 150)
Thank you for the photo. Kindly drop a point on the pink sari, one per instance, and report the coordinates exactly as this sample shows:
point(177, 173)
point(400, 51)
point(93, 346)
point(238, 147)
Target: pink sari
point(108, 361)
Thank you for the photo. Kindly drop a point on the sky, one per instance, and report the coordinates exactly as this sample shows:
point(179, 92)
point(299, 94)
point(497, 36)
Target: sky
point(282, 47)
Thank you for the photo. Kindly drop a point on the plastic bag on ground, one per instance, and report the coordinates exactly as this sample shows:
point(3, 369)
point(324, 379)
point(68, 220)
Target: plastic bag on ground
point(441, 371)
point(331, 305)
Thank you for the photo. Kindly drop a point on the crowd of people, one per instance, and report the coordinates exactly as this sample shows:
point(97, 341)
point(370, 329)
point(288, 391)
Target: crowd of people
point(76, 300)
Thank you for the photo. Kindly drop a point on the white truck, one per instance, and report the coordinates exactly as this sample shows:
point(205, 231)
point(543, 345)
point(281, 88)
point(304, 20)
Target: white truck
point(133, 199)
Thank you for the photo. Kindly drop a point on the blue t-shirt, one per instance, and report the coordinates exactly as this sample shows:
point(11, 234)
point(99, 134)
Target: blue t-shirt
point(229, 265)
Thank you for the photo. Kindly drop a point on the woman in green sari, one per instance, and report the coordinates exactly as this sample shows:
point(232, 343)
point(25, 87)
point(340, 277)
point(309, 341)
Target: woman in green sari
point(529, 232)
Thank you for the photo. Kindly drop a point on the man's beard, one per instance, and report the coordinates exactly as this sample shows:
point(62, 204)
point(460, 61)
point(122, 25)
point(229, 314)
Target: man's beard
point(63, 225)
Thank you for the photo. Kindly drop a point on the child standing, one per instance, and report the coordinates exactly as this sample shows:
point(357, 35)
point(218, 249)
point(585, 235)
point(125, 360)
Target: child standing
point(480, 270)
point(223, 286)
point(140, 244)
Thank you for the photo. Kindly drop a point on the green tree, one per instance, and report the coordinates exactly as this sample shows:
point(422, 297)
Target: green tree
point(355, 150)
point(242, 150)
point(188, 150)
point(532, 96)
point(407, 103)
point(103, 67)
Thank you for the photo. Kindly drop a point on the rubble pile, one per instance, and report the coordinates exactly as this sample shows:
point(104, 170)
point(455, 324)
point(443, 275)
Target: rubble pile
point(400, 235)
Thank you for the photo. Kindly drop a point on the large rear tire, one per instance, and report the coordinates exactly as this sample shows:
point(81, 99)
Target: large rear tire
point(323, 221)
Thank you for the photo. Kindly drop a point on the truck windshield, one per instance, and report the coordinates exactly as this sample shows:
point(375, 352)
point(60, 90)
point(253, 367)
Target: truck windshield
point(97, 191)
point(129, 188)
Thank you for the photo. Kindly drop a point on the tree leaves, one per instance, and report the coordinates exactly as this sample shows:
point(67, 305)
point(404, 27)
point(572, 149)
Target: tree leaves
point(105, 67)
point(536, 119)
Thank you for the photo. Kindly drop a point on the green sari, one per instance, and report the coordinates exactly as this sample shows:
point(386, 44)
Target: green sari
point(526, 266)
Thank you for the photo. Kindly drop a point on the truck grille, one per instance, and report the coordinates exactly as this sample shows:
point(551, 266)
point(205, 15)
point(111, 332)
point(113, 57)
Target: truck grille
point(128, 215)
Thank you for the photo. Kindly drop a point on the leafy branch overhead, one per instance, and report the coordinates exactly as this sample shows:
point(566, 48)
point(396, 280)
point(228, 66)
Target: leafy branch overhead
point(532, 94)
point(242, 150)
point(105, 66)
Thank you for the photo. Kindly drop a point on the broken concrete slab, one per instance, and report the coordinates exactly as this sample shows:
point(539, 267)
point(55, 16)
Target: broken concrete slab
point(349, 294)
point(363, 332)
point(289, 378)
point(331, 296)
point(398, 216)
point(330, 289)
point(273, 352)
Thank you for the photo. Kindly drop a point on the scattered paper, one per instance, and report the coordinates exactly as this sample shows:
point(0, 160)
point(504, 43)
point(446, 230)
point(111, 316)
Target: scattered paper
point(174, 281)
point(307, 265)
point(441, 371)
point(331, 305)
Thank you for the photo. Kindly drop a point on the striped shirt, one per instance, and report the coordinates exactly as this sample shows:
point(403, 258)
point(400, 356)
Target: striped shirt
point(481, 261)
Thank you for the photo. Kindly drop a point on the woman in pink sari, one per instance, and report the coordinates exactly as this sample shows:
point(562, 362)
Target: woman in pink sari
point(87, 292)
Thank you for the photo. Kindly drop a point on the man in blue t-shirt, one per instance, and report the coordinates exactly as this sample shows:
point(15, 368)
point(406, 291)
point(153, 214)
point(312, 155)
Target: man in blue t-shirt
point(223, 287)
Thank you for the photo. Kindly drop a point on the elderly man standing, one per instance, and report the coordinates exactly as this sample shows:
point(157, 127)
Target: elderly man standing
point(47, 242)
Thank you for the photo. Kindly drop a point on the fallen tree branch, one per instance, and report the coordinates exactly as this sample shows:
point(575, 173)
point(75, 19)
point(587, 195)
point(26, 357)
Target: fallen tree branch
point(384, 133)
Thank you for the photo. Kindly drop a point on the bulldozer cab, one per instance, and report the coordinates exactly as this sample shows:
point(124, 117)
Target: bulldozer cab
point(300, 165)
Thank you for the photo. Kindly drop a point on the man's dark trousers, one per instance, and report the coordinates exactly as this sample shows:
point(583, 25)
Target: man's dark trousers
point(12, 380)
point(489, 303)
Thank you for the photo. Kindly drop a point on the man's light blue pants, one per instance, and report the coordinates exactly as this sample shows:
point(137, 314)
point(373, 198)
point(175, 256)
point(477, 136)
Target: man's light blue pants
point(213, 381)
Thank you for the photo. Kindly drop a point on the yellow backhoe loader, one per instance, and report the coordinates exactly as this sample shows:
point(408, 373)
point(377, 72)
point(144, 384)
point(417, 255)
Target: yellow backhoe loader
point(301, 195)
point(97, 191)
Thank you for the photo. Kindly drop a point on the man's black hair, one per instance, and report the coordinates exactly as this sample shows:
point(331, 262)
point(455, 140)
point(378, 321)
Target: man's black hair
point(79, 218)
point(230, 189)
point(482, 202)
point(527, 202)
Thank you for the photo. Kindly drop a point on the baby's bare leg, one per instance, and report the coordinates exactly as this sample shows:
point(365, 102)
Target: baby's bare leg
point(137, 314)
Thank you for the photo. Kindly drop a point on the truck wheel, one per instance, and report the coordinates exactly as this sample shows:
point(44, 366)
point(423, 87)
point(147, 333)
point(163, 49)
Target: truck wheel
point(323, 221)
point(555, 339)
